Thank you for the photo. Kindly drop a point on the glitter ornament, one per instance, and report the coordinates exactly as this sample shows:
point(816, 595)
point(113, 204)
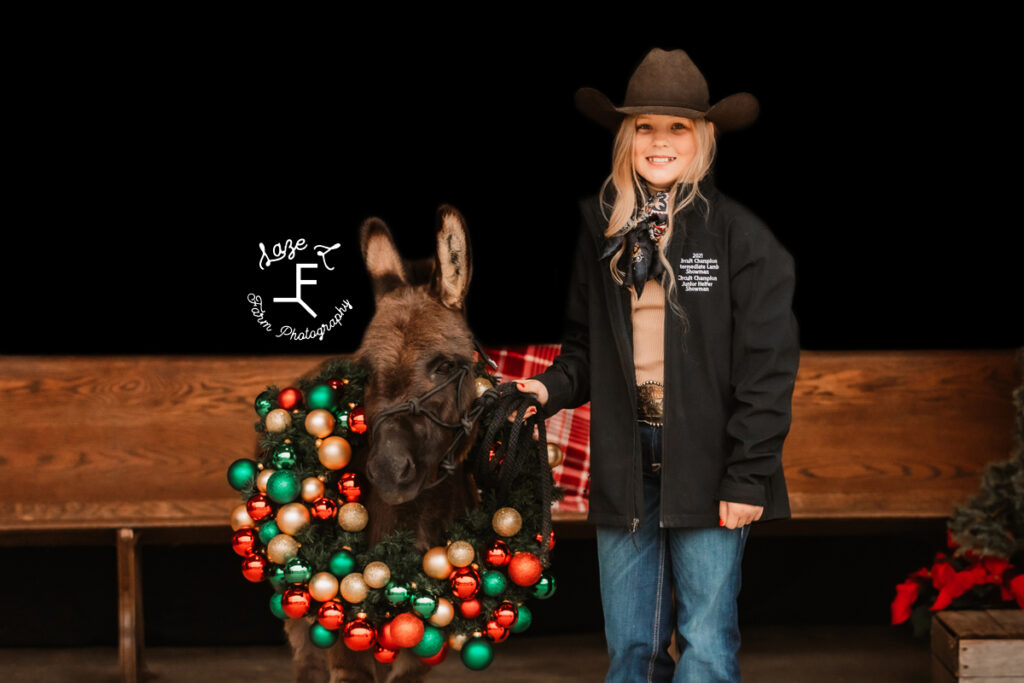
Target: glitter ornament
point(470, 609)
point(282, 548)
point(460, 554)
point(457, 640)
point(406, 630)
point(493, 582)
point(277, 420)
point(376, 574)
point(524, 569)
point(283, 487)
point(430, 643)
point(268, 530)
point(507, 522)
point(352, 517)
point(353, 589)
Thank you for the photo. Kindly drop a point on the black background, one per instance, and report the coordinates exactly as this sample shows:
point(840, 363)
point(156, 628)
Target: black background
point(149, 156)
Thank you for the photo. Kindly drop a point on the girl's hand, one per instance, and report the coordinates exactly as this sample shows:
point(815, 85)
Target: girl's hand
point(531, 386)
point(736, 515)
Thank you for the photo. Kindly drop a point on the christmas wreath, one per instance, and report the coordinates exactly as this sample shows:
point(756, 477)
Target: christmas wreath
point(301, 527)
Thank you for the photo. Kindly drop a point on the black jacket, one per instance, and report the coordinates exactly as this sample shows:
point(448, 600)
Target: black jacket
point(729, 369)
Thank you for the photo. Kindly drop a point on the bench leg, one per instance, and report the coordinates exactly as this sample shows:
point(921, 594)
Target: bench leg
point(129, 584)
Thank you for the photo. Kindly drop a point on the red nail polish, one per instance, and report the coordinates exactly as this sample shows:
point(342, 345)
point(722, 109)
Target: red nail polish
point(721, 522)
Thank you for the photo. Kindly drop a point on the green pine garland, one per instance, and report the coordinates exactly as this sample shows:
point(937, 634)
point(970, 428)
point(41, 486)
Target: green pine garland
point(322, 539)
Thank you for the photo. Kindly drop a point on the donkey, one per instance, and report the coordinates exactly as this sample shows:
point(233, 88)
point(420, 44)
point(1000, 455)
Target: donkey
point(418, 350)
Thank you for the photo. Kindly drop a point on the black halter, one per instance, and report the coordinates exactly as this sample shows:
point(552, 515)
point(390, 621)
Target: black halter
point(414, 406)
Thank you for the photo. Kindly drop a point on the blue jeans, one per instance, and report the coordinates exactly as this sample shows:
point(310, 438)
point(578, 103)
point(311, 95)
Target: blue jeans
point(638, 576)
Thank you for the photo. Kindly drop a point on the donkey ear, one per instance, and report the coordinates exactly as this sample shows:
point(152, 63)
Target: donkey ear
point(454, 258)
point(382, 259)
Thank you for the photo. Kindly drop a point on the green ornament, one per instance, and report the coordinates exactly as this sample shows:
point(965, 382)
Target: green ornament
point(523, 621)
point(545, 587)
point(283, 486)
point(284, 457)
point(268, 531)
point(275, 575)
point(396, 593)
point(477, 654)
point(321, 396)
point(275, 606)
point(425, 605)
point(242, 473)
point(342, 563)
point(322, 637)
point(431, 643)
point(494, 582)
point(264, 403)
point(297, 571)
point(341, 418)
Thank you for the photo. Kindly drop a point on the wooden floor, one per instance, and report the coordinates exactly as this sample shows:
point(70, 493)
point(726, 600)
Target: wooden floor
point(847, 654)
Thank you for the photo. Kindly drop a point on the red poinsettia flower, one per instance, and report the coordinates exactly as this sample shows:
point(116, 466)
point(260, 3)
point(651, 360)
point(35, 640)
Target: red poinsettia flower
point(1017, 588)
point(942, 574)
point(960, 583)
point(906, 594)
point(995, 566)
point(950, 543)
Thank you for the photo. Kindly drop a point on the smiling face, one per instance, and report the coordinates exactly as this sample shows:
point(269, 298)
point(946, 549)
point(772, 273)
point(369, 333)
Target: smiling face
point(663, 148)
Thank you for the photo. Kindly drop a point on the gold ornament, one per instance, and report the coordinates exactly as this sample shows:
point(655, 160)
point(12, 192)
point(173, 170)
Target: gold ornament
point(353, 517)
point(334, 452)
point(460, 554)
point(436, 564)
point(323, 586)
point(263, 477)
point(320, 423)
point(507, 522)
point(376, 574)
point(444, 614)
point(555, 455)
point(353, 588)
point(240, 518)
point(292, 518)
point(278, 420)
point(457, 640)
point(312, 488)
point(482, 385)
point(282, 548)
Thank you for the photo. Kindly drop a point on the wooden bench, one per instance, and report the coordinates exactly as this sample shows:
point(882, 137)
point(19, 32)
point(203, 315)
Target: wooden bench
point(135, 444)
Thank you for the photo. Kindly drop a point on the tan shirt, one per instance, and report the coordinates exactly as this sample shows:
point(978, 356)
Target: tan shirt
point(649, 334)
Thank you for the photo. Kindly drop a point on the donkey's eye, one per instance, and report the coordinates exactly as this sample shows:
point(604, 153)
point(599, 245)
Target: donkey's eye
point(444, 367)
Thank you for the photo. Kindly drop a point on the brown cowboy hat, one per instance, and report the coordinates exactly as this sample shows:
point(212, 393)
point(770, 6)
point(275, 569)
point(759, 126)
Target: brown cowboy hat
point(668, 82)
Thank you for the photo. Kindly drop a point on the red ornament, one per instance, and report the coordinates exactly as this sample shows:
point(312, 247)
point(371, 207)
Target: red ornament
point(335, 384)
point(350, 487)
point(470, 609)
point(465, 582)
point(323, 508)
point(406, 630)
point(295, 601)
point(384, 655)
point(551, 540)
point(289, 398)
point(384, 637)
point(496, 631)
point(359, 635)
point(253, 567)
point(506, 614)
point(258, 507)
point(498, 555)
point(524, 569)
point(357, 421)
point(243, 541)
point(331, 615)
point(436, 659)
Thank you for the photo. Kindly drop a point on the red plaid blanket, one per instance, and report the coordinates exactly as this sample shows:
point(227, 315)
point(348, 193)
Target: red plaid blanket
point(569, 429)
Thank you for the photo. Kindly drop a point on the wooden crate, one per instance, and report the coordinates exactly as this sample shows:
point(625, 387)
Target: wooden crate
point(980, 646)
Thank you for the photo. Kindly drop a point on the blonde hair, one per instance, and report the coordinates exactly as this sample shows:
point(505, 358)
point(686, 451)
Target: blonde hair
point(627, 184)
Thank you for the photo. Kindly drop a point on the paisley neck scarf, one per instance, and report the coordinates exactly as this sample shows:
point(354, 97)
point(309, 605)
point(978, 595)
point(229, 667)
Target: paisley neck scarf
point(642, 235)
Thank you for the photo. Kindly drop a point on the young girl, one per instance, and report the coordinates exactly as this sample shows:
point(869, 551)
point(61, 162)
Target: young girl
point(680, 333)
